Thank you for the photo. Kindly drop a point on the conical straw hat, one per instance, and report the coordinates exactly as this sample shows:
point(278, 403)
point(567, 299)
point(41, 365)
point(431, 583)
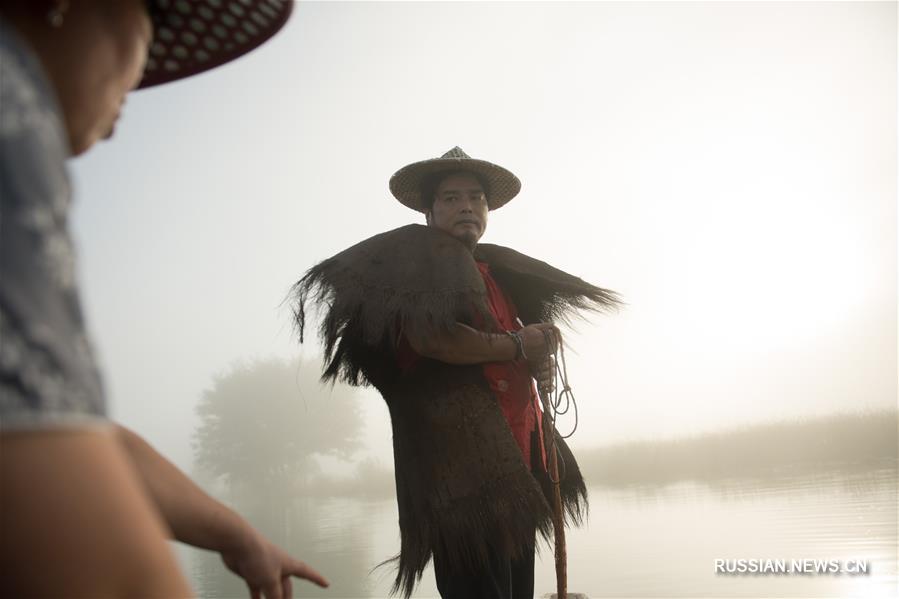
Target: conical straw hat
point(405, 184)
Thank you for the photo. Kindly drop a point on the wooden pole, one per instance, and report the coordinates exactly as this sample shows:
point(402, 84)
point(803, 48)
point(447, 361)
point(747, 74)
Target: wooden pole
point(561, 554)
point(549, 432)
point(558, 527)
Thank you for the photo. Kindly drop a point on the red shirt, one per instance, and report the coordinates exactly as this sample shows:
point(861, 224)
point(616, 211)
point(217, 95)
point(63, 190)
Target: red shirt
point(511, 381)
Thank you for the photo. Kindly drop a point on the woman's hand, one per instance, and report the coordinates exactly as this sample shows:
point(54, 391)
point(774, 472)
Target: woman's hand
point(266, 568)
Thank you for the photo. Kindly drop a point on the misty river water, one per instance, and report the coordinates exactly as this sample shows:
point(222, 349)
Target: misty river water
point(646, 541)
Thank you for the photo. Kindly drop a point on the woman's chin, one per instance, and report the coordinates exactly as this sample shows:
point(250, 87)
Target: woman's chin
point(85, 141)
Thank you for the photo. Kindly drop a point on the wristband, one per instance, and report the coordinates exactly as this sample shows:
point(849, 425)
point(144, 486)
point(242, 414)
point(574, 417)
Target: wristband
point(519, 345)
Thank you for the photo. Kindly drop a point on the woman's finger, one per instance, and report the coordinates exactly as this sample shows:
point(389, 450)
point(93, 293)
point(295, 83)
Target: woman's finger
point(298, 568)
point(272, 590)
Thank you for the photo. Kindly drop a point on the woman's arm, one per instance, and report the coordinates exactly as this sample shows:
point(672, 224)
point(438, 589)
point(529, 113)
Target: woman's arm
point(76, 521)
point(197, 519)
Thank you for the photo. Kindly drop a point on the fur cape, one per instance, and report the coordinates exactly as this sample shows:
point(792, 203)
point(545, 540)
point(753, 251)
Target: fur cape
point(462, 488)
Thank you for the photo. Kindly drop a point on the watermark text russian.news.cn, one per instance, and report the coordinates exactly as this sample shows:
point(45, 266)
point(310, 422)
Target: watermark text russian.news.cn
point(791, 567)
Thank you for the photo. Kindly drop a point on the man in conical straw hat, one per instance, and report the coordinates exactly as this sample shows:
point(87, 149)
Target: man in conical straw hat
point(451, 332)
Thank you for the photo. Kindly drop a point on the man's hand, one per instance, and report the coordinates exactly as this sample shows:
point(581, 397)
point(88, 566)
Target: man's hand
point(267, 569)
point(539, 340)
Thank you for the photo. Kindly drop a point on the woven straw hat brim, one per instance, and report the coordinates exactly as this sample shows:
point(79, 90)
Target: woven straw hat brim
point(192, 36)
point(405, 184)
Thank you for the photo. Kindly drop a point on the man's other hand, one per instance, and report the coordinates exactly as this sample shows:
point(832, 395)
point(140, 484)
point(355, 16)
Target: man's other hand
point(544, 372)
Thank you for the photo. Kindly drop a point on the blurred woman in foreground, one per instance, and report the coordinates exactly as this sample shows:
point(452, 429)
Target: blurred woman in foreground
point(86, 506)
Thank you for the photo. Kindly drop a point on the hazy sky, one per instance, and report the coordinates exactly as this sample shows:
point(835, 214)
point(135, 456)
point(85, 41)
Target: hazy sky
point(729, 168)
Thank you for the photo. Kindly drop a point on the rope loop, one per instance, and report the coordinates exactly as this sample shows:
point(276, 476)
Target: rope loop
point(558, 398)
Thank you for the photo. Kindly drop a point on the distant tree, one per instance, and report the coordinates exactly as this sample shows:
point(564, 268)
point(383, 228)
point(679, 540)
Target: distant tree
point(262, 424)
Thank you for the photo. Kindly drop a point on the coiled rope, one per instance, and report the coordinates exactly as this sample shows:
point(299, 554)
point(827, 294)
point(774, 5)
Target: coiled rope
point(558, 397)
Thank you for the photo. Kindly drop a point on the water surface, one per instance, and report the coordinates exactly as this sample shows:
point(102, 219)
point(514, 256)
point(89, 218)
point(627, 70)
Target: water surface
point(645, 541)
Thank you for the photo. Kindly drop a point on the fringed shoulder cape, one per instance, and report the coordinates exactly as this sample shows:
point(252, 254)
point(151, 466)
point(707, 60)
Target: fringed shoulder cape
point(462, 486)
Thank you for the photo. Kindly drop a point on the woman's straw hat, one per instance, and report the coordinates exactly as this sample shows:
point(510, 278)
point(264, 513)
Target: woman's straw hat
point(406, 183)
point(192, 36)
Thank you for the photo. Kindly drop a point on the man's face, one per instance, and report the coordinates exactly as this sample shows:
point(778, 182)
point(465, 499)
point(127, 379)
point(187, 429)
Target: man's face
point(460, 208)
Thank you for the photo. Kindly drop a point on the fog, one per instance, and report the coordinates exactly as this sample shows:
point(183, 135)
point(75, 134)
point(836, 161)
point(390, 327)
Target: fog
point(728, 168)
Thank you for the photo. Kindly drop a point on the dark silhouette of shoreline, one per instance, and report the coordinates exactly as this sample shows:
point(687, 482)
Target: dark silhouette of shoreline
point(840, 442)
point(851, 443)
